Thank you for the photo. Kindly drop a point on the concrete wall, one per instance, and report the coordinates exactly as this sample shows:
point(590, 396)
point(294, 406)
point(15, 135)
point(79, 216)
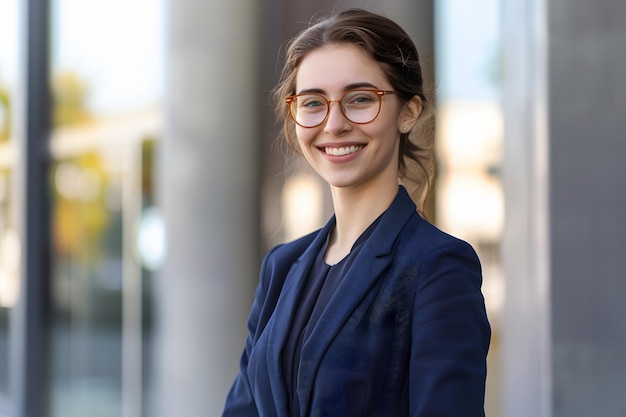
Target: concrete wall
point(564, 163)
point(587, 96)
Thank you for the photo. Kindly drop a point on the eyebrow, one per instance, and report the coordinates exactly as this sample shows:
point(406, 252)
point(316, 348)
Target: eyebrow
point(353, 86)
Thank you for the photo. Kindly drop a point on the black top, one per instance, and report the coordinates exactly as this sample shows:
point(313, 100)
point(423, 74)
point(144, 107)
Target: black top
point(321, 284)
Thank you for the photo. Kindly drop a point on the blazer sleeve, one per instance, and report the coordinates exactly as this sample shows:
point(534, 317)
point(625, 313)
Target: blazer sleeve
point(450, 335)
point(240, 400)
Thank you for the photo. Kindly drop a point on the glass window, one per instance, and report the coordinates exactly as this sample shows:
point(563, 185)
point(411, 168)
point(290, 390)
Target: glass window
point(106, 58)
point(9, 276)
point(87, 287)
point(106, 81)
point(8, 68)
point(9, 239)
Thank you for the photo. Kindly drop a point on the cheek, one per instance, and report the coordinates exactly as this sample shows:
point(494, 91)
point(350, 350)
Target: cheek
point(387, 132)
point(305, 137)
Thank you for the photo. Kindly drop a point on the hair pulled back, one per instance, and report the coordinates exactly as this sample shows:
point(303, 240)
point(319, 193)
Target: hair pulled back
point(388, 44)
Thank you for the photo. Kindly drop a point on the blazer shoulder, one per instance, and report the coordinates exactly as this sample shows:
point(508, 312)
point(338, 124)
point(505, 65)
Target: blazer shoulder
point(278, 260)
point(422, 237)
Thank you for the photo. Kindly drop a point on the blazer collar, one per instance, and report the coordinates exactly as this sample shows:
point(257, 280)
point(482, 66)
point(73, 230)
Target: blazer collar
point(372, 260)
point(382, 239)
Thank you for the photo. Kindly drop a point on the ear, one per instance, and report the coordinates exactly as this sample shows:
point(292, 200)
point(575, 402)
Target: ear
point(409, 114)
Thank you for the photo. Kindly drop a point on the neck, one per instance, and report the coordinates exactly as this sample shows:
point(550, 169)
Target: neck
point(355, 210)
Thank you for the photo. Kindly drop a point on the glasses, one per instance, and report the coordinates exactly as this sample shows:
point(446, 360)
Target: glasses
point(358, 106)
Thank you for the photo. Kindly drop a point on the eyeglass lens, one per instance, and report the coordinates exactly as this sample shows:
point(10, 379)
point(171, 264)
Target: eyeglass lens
point(310, 110)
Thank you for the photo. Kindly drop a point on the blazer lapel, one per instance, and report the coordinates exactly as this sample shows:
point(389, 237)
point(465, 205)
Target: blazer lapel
point(282, 318)
point(368, 266)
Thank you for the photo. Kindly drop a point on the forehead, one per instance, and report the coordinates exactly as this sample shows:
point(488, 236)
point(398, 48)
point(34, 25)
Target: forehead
point(335, 66)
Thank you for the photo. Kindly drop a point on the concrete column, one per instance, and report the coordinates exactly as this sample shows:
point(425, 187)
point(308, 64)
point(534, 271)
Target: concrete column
point(587, 60)
point(565, 241)
point(525, 331)
point(209, 194)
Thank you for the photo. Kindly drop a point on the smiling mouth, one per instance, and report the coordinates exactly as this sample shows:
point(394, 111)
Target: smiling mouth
point(343, 151)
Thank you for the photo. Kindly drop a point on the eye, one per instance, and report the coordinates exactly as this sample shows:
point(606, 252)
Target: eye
point(360, 98)
point(311, 101)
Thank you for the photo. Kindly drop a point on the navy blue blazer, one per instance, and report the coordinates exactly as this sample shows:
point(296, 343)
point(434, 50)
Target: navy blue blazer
point(405, 334)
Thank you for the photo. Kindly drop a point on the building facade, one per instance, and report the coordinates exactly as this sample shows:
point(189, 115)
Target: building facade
point(141, 183)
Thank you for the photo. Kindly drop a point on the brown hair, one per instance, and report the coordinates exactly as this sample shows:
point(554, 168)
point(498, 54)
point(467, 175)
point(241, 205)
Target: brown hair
point(387, 43)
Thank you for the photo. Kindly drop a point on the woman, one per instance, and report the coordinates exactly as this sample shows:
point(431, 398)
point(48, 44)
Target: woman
point(378, 313)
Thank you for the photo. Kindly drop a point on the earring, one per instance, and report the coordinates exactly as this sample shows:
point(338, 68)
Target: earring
point(404, 129)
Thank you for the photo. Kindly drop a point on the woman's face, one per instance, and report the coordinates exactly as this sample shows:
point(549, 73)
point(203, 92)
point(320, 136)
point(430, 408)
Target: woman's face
point(347, 154)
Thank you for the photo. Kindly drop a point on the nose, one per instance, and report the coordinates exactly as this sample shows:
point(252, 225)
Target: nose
point(336, 122)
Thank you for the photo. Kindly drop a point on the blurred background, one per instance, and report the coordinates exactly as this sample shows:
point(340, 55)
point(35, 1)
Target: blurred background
point(141, 183)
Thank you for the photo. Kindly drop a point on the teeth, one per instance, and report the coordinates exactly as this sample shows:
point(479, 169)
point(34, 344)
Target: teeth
point(343, 151)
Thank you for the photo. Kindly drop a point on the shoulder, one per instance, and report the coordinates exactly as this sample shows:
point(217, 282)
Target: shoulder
point(437, 259)
point(280, 258)
point(422, 239)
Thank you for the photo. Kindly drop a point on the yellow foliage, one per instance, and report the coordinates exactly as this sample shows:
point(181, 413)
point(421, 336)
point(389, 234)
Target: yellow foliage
point(69, 93)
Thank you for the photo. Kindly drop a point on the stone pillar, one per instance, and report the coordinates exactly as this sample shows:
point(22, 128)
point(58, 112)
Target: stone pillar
point(565, 241)
point(209, 196)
